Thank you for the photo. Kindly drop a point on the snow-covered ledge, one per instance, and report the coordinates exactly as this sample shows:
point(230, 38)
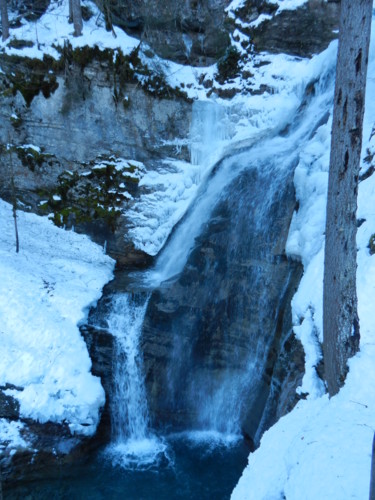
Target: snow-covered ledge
point(46, 290)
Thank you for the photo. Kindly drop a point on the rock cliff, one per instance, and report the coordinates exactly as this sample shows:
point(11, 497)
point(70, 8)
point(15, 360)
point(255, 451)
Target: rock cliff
point(76, 135)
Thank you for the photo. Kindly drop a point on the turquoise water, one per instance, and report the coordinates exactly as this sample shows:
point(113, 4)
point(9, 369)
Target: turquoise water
point(189, 468)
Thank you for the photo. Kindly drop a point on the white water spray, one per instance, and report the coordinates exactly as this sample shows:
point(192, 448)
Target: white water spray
point(133, 445)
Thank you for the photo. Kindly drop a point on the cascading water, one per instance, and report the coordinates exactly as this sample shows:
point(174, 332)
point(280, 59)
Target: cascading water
point(220, 312)
point(222, 162)
point(215, 319)
point(129, 413)
point(132, 441)
point(211, 128)
point(223, 285)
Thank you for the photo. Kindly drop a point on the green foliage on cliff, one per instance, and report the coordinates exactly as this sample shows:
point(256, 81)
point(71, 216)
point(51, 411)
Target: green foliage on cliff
point(30, 157)
point(98, 193)
point(122, 69)
point(228, 65)
point(29, 76)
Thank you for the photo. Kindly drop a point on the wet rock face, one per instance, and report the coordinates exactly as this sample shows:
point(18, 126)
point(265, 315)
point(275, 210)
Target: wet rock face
point(215, 338)
point(187, 31)
point(302, 32)
point(50, 448)
point(197, 31)
point(81, 123)
point(101, 345)
point(9, 407)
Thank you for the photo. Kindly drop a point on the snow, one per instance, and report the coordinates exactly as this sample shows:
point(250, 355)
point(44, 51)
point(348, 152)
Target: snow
point(52, 29)
point(282, 5)
point(30, 146)
point(260, 20)
point(323, 447)
point(219, 126)
point(47, 288)
point(235, 5)
point(288, 4)
point(306, 241)
point(309, 451)
point(156, 213)
point(10, 436)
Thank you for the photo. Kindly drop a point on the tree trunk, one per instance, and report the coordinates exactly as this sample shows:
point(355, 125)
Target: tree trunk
point(70, 20)
point(4, 19)
point(14, 202)
point(372, 478)
point(340, 319)
point(77, 17)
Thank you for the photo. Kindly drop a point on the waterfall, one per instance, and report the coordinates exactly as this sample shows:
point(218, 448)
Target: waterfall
point(129, 409)
point(222, 160)
point(132, 442)
point(223, 284)
point(212, 320)
point(220, 351)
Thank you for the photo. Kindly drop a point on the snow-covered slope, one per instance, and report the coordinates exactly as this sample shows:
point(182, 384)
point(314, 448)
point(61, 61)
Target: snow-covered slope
point(46, 289)
point(322, 449)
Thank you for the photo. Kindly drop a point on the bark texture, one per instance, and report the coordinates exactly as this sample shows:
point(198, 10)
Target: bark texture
point(340, 319)
point(372, 480)
point(4, 19)
point(77, 17)
point(70, 11)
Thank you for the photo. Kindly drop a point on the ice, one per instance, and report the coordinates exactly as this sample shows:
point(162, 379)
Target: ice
point(10, 435)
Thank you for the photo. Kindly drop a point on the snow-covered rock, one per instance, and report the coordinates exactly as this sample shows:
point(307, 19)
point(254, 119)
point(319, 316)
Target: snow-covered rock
point(46, 290)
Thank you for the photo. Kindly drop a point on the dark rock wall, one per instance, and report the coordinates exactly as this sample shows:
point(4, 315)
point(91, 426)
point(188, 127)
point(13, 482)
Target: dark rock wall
point(302, 32)
point(198, 32)
point(187, 31)
point(213, 336)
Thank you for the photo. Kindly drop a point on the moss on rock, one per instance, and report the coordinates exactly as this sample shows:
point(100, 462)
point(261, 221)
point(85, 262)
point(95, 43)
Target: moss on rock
point(99, 192)
point(30, 76)
point(228, 65)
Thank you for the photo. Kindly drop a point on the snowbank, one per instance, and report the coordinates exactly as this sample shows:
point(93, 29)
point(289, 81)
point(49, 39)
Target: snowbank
point(322, 449)
point(45, 291)
point(281, 5)
point(10, 436)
